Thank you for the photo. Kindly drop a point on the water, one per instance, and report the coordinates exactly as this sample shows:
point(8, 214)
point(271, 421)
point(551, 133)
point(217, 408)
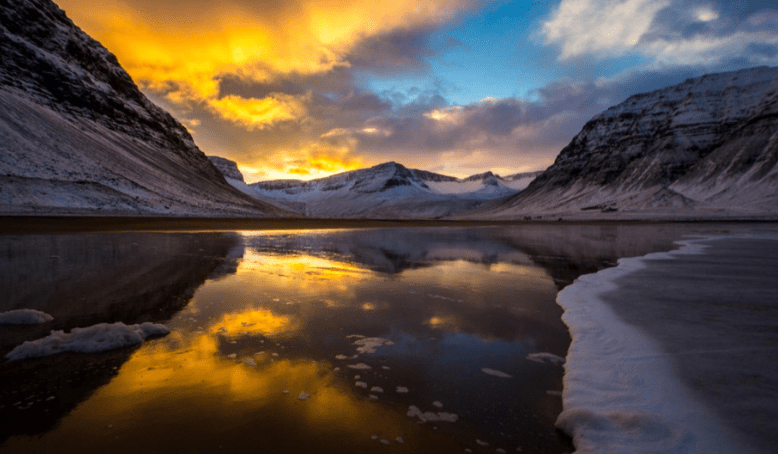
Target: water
point(260, 319)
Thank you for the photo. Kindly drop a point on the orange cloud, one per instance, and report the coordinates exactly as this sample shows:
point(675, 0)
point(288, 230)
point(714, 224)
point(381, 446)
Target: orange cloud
point(182, 50)
point(259, 113)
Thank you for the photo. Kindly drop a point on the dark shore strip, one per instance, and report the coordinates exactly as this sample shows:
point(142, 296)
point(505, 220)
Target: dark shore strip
point(66, 224)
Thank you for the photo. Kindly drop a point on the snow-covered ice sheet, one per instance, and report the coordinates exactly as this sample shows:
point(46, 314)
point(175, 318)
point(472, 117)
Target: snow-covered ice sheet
point(620, 391)
point(24, 317)
point(93, 339)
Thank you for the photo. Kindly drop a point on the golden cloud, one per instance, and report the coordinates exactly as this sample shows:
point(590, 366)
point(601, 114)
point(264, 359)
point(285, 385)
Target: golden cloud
point(181, 50)
point(259, 113)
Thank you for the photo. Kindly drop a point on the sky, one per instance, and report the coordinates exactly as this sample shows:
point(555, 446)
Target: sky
point(305, 89)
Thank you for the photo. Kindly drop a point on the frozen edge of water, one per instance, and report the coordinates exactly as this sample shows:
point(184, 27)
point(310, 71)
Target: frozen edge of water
point(620, 391)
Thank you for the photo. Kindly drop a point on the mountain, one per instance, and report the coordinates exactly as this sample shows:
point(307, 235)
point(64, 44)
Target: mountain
point(388, 191)
point(79, 137)
point(706, 148)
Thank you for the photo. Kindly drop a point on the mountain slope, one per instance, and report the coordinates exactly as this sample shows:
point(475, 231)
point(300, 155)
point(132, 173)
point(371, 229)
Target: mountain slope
point(79, 137)
point(388, 191)
point(705, 148)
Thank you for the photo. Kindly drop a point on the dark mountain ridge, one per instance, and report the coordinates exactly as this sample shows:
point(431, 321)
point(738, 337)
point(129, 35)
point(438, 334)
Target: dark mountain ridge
point(79, 137)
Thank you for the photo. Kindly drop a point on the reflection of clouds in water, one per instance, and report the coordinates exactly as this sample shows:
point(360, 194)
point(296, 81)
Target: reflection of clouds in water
point(256, 321)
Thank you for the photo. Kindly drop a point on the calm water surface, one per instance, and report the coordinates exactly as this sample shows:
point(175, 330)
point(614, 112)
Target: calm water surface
point(259, 319)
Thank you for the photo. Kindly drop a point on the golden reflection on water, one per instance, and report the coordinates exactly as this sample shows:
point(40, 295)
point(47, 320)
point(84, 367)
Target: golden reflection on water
point(181, 388)
point(252, 321)
point(187, 381)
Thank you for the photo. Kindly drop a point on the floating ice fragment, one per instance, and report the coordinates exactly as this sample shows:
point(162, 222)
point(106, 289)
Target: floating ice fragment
point(374, 437)
point(401, 389)
point(232, 355)
point(385, 442)
point(303, 395)
point(373, 396)
point(413, 411)
point(50, 398)
point(500, 450)
point(437, 404)
point(24, 317)
point(482, 443)
point(93, 339)
point(286, 391)
point(359, 366)
point(274, 354)
point(376, 389)
point(468, 450)
point(545, 358)
point(355, 336)
point(361, 384)
point(370, 344)
point(385, 367)
point(249, 362)
point(341, 357)
point(357, 377)
point(399, 440)
point(336, 369)
point(496, 373)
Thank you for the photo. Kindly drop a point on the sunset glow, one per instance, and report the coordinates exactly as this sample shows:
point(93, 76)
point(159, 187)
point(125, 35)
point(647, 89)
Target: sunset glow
point(308, 89)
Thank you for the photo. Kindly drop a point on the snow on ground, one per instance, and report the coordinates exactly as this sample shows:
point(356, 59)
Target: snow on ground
point(24, 317)
point(620, 391)
point(93, 339)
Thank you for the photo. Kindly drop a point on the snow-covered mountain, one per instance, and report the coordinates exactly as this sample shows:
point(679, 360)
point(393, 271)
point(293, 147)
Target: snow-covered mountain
point(77, 136)
point(705, 148)
point(388, 191)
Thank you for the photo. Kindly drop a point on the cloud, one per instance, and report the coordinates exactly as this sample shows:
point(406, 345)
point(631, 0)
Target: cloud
point(185, 49)
point(666, 33)
point(600, 27)
point(260, 112)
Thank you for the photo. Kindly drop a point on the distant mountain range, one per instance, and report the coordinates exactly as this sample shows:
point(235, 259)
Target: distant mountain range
point(706, 148)
point(78, 137)
point(385, 191)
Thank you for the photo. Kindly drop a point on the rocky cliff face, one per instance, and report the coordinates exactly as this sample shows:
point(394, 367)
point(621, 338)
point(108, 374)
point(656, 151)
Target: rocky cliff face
point(79, 137)
point(708, 145)
point(227, 168)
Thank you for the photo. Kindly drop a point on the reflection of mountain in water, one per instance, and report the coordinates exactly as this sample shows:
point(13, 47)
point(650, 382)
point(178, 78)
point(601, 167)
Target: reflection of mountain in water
point(565, 251)
point(86, 279)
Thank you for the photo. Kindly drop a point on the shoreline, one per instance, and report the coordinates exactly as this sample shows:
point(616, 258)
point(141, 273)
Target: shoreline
point(75, 224)
point(622, 391)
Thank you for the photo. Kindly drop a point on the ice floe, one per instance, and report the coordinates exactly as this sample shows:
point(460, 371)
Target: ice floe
point(360, 384)
point(370, 344)
point(545, 358)
point(376, 389)
point(401, 389)
point(249, 362)
point(359, 366)
point(24, 317)
point(621, 393)
point(97, 338)
point(437, 403)
point(413, 411)
point(496, 373)
point(303, 395)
